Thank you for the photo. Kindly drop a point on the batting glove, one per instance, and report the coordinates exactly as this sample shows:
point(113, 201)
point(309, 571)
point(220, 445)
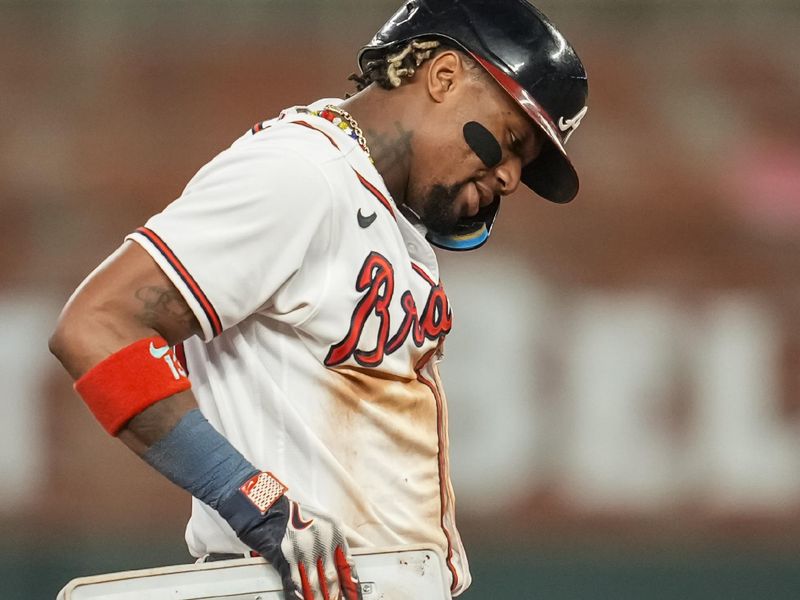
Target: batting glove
point(307, 547)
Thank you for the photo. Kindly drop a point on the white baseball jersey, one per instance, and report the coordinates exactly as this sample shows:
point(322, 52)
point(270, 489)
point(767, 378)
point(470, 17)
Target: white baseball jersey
point(323, 320)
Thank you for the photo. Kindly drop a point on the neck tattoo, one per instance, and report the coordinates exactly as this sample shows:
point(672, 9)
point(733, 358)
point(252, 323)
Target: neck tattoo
point(344, 121)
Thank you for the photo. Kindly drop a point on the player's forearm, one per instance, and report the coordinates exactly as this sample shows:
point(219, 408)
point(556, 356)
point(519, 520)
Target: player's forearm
point(89, 345)
point(128, 299)
point(156, 421)
point(79, 346)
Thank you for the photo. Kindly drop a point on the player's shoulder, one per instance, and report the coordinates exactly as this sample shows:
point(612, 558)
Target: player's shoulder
point(293, 150)
point(297, 133)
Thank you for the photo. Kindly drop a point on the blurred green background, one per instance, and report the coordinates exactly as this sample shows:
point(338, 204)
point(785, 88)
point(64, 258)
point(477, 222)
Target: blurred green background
point(623, 372)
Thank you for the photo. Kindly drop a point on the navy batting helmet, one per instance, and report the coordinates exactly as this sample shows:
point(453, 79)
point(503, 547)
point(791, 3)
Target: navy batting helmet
point(524, 52)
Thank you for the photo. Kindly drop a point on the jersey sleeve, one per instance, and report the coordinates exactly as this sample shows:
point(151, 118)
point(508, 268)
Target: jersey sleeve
point(244, 227)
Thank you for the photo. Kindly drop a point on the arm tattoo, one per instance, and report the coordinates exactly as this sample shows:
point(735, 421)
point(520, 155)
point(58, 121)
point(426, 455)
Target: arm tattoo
point(162, 304)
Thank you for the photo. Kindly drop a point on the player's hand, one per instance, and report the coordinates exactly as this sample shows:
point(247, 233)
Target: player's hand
point(310, 552)
point(306, 546)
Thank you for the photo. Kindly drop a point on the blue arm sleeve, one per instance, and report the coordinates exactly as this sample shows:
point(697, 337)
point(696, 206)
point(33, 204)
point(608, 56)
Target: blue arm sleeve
point(199, 459)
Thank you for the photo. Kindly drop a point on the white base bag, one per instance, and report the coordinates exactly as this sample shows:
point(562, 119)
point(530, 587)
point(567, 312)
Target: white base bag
point(403, 573)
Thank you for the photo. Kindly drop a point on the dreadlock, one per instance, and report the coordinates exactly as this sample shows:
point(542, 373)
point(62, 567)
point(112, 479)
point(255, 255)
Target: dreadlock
point(389, 70)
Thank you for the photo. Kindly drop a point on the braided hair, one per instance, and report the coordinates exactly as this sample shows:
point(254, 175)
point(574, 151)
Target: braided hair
point(390, 70)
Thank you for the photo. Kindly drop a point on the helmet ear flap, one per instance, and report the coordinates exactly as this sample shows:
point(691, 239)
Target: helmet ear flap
point(471, 233)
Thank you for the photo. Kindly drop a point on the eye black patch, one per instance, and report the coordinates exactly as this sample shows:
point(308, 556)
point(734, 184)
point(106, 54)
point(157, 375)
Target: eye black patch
point(483, 143)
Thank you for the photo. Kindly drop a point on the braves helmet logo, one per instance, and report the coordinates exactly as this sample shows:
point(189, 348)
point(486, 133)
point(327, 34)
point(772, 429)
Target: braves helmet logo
point(570, 125)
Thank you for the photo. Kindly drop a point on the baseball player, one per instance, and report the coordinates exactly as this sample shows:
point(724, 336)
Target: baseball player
point(294, 284)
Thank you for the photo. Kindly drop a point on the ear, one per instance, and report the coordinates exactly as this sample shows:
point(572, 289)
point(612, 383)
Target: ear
point(445, 71)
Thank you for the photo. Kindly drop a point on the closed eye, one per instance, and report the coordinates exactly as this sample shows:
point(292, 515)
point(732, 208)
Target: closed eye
point(517, 146)
point(526, 148)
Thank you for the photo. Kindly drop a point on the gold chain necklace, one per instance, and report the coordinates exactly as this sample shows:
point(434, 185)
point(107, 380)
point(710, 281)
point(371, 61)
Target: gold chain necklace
point(349, 122)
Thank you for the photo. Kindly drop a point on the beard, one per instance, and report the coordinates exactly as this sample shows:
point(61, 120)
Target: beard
point(437, 207)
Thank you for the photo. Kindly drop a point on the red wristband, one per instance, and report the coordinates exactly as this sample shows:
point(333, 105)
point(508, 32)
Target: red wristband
point(124, 384)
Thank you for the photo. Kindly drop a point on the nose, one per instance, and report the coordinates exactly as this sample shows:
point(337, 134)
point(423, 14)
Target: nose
point(508, 174)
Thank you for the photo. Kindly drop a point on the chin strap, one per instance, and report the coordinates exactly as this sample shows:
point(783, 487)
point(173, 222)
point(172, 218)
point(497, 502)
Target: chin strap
point(470, 233)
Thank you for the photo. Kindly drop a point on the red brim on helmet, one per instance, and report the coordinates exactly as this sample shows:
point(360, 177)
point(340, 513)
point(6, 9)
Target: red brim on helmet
point(551, 174)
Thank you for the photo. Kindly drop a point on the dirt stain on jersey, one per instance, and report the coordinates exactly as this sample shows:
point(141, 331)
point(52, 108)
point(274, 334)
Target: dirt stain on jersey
point(384, 431)
point(403, 409)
